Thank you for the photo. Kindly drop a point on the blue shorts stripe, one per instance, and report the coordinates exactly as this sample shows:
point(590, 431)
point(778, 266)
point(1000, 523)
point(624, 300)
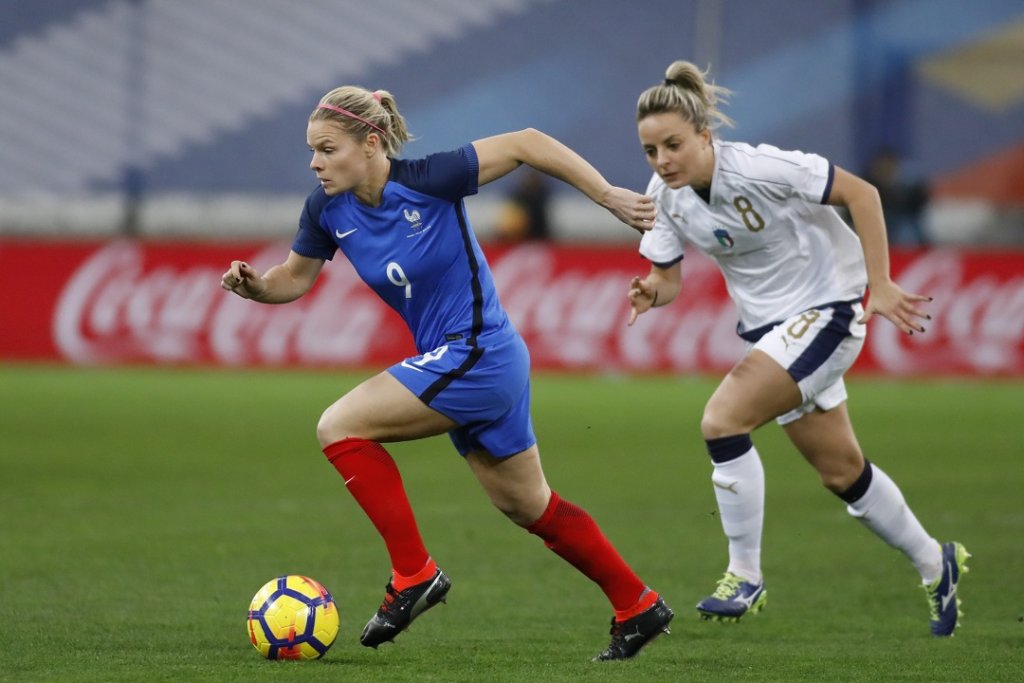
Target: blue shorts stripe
point(824, 344)
point(437, 387)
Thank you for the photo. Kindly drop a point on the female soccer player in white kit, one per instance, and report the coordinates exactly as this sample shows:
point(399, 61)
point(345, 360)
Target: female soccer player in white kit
point(797, 275)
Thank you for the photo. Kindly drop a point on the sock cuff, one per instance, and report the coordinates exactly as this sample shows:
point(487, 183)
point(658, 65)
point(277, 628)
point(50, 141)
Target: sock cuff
point(643, 603)
point(726, 448)
point(859, 487)
point(546, 516)
point(353, 444)
point(400, 583)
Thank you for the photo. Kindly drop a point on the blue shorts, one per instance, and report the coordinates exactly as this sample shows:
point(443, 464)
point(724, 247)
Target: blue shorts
point(484, 388)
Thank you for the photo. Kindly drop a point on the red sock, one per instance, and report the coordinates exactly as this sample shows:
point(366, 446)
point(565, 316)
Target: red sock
point(374, 481)
point(400, 583)
point(575, 537)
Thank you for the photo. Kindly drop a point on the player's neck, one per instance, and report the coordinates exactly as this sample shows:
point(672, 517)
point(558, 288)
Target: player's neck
point(371, 191)
point(702, 185)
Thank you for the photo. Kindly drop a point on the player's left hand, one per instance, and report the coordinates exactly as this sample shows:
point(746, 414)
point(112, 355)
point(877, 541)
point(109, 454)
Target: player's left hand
point(634, 209)
point(897, 306)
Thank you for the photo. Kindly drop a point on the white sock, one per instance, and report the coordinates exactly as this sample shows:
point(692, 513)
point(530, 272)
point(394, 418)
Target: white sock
point(739, 490)
point(883, 510)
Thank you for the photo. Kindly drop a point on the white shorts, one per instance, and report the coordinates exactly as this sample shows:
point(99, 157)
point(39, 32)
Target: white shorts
point(816, 348)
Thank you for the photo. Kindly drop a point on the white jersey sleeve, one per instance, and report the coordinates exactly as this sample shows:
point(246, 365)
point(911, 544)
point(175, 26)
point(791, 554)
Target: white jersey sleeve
point(662, 245)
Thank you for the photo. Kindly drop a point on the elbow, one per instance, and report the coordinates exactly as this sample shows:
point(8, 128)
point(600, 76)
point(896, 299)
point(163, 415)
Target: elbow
point(862, 193)
point(530, 139)
point(671, 292)
point(870, 195)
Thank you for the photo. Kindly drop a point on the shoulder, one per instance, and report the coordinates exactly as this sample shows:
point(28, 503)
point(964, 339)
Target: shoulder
point(449, 175)
point(665, 198)
point(316, 202)
point(312, 239)
point(770, 168)
point(748, 160)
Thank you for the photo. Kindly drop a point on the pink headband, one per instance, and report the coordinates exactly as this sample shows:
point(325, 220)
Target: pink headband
point(346, 112)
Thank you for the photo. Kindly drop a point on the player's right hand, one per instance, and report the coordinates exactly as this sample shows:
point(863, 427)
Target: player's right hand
point(243, 280)
point(632, 208)
point(642, 296)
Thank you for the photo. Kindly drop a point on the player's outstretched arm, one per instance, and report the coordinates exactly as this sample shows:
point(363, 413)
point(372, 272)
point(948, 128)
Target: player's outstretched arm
point(501, 154)
point(280, 284)
point(886, 297)
point(660, 287)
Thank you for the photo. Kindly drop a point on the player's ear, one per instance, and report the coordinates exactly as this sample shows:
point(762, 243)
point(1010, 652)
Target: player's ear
point(370, 144)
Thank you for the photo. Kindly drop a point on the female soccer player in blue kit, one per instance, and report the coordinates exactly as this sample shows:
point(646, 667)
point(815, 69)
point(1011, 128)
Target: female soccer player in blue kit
point(403, 226)
point(797, 275)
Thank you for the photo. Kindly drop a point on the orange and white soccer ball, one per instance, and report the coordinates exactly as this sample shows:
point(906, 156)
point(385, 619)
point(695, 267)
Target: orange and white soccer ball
point(293, 617)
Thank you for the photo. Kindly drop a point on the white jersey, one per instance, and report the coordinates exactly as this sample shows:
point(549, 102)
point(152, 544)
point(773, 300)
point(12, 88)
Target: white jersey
point(781, 250)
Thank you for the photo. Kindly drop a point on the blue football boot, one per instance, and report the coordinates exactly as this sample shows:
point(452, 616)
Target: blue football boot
point(943, 600)
point(733, 598)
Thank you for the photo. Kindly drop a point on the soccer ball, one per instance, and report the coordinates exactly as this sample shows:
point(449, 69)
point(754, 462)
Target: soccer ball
point(292, 617)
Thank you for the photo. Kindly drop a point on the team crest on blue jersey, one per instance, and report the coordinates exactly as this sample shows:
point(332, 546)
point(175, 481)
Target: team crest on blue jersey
point(414, 218)
point(415, 223)
point(724, 238)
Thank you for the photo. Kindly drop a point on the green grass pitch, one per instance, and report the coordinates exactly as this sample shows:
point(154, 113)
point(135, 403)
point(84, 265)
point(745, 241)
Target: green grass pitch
point(142, 508)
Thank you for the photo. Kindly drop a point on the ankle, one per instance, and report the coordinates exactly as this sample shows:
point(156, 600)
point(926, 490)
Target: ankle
point(643, 603)
point(400, 583)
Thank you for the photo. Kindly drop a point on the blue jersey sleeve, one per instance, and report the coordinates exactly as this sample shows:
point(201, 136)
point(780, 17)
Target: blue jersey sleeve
point(313, 240)
point(446, 175)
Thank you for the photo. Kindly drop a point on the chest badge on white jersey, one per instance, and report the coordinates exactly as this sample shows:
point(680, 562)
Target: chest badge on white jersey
point(724, 238)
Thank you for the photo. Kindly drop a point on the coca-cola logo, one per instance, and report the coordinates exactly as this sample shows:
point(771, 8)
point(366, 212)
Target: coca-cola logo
point(116, 308)
point(575, 315)
point(129, 301)
point(111, 309)
point(977, 320)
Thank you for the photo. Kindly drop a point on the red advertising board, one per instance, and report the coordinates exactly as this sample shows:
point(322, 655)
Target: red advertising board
point(160, 302)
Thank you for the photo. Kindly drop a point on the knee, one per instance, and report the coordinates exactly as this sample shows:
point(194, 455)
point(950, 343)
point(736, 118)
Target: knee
point(841, 474)
point(715, 423)
point(332, 426)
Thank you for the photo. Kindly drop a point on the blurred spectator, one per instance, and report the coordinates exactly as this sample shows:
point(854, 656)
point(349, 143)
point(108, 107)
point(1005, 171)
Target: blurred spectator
point(524, 215)
point(903, 199)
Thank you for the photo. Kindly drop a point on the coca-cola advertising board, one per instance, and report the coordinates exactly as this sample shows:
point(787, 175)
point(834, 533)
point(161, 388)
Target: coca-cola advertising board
point(161, 302)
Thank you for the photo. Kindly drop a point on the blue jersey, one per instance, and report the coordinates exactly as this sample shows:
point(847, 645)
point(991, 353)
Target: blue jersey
point(416, 250)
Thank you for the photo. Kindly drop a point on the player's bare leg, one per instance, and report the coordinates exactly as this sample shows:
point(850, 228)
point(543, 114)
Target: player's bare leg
point(351, 430)
point(381, 409)
point(755, 391)
point(827, 442)
point(515, 485)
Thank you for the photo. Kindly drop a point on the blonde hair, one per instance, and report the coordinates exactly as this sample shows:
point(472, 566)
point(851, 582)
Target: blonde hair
point(687, 92)
point(363, 112)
